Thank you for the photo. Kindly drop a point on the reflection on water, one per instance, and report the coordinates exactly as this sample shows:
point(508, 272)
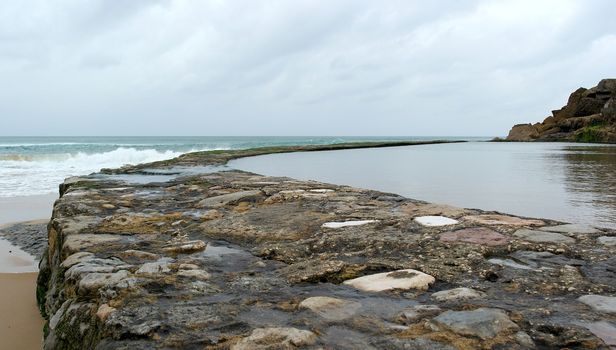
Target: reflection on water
point(568, 182)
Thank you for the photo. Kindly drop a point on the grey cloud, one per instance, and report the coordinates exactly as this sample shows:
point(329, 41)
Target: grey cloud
point(296, 67)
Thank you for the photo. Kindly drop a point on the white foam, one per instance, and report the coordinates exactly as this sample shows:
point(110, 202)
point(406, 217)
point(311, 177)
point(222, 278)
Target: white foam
point(41, 174)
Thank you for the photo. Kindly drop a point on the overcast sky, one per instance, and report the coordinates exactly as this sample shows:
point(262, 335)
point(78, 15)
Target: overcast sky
point(76, 67)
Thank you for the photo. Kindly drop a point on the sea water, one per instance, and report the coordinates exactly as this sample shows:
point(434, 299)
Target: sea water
point(36, 165)
point(561, 181)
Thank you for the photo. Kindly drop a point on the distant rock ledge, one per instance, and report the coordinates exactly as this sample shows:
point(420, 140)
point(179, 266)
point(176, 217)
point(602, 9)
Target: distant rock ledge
point(589, 116)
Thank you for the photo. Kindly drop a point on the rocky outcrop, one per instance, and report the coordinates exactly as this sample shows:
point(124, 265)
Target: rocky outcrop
point(588, 116)
point(212, 259)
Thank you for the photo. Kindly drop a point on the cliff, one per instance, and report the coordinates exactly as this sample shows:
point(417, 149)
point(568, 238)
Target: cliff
point(185, 254)
point(588, 116)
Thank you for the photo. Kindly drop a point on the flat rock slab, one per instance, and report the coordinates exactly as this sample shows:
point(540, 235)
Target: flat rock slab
point(222, 200)
point(571, 228)
point(455, 294)
point(547, 260)
point(509, 263)
point(475, 235)
point(432, 210)
point(484, 323)
point(542, 236)
point(414, 313)
point(332, 309)
point(275, 338)
point(341, 224)
point(433, 221)
point(497, 219)
point(401, 279)
point(604, 330)
point(600, 303)
point(77, 242)
point(607, 241)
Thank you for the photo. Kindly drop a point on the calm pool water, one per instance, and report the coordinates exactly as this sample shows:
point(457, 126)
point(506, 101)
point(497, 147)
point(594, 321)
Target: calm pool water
point(568, 182)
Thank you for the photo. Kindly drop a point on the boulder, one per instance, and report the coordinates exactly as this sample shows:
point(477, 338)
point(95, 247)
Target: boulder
point(588, 116)
point(401, 279)
point(523, 132)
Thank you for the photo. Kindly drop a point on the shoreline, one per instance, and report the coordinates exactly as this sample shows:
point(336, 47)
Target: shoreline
point(21, 324)
point(221, 238)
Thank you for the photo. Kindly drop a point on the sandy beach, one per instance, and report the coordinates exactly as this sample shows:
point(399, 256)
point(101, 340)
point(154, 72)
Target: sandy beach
point(21, 325)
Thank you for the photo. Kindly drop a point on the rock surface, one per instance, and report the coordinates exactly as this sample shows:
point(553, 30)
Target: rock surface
point(456, 294)
point(484, 323)
point(161, 268)
point(332, 309)
point(400, 279)
point(433, 221)
point(589, 116)
point(542, 236)
point(475, 235)
point(600, 303)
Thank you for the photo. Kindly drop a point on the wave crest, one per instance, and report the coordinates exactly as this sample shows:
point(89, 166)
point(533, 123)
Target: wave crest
point(22, 175)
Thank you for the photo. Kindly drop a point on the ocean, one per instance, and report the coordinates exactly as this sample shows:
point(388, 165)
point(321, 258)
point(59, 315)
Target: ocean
point(36, 165)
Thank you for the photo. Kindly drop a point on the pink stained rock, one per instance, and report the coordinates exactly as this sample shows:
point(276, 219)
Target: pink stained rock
point(498, 219)
point(475, 235)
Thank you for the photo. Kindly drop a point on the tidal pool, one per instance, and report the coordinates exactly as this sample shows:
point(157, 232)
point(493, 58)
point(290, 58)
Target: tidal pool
point(561, 181)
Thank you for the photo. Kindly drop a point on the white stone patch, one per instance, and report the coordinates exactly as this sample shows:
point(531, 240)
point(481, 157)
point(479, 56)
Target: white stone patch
point(461, 293)
point(291, 192)
point(400, 279)
point(341, 224)
point(433, 221)
point(321, 190)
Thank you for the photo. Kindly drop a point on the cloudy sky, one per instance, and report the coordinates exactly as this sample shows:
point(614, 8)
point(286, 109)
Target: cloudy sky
point(76, 67)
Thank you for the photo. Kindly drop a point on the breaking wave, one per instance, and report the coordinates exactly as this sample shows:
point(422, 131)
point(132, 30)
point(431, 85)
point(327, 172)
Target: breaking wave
point(32, 174)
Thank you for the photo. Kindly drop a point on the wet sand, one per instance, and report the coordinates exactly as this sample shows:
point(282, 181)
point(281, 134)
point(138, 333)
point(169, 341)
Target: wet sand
point(21, 324)
point(17, 209)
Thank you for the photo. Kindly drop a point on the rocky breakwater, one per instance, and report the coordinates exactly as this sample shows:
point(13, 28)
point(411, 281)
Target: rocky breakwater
point(589, 116)
point(235, 260)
